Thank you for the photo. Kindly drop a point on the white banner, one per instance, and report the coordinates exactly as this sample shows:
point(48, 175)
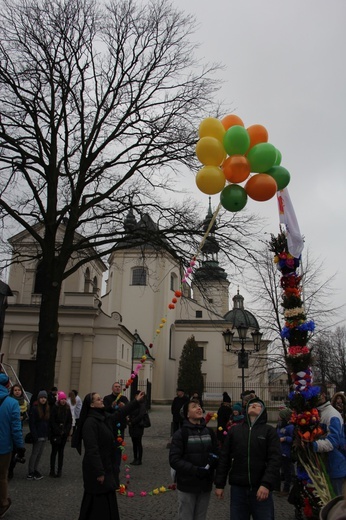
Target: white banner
point(288, 217)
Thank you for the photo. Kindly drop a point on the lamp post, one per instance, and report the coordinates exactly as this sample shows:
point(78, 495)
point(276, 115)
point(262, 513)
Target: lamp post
point(243, 355)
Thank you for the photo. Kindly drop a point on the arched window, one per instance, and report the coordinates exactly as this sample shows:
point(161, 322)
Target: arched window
point(174, 283)
point(87, 281)
point(95, 288)
point(139, 276)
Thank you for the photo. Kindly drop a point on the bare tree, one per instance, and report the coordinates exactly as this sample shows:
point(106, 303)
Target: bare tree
point(99, 105)
point(267, 297)
point(330, 358)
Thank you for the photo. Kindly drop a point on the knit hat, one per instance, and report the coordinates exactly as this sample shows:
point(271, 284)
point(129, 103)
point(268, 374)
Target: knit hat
point(285, 414)
point(237, 407)
point(247, 395)
point(61, 395)
point(226, 398)
point(42, 393)
point(184, 409)
point(4, 379)
point(334, 510)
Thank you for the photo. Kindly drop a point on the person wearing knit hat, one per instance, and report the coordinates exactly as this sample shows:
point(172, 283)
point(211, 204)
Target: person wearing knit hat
point(250, 461)
point(193, 457)
point(11, 438)
point(39, 427)
point(62, 395)
point(285, 431)
point(285, 414)
point(226, 398)
point(60, 426)
point(237, 416)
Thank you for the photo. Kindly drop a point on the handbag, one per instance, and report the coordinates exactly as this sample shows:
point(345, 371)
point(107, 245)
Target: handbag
point(28, 439)
point(146, 420)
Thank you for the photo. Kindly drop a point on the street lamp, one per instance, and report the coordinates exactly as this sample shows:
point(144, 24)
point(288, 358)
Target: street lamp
point(243, 355)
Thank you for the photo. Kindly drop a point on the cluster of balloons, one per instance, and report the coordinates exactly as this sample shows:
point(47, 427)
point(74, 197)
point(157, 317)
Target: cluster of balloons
point(230, 152)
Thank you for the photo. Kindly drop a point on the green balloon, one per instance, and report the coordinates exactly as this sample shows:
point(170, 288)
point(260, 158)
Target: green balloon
point(262, 157)
point(278, 158)
point(233, 197)
point(236, 140)
point(280, 175)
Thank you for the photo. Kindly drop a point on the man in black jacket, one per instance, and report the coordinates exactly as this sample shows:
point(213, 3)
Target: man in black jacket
point(251, 455)
point(113, 403)
point(177, 403)
point(193, 456)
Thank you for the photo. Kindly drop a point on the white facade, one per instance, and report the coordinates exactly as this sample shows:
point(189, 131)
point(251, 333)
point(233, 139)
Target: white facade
point(96, 332)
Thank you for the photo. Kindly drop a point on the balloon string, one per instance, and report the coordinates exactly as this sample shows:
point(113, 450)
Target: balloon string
point(211, 223)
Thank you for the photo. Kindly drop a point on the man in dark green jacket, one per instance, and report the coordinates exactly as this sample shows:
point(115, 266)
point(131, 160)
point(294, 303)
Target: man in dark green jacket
point(251, 455)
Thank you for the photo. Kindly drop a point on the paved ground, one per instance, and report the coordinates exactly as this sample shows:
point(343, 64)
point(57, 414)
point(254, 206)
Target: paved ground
point(59, 499)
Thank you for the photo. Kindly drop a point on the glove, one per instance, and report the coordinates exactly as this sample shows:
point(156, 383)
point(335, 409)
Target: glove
point(21, 453)
point(213, 460)
point(202, 473)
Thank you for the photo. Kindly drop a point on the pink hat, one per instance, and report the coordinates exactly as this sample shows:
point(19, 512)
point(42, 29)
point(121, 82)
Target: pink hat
point(61, 395)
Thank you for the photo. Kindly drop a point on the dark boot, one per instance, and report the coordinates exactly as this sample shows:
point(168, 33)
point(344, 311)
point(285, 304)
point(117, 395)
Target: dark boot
point(58, 475)
point(52, 473)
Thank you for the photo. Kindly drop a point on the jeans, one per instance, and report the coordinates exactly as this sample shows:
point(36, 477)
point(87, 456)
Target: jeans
point(244, 503)
point(193, 506)
point(4, 465)
point(37, 450)
point(337, 484)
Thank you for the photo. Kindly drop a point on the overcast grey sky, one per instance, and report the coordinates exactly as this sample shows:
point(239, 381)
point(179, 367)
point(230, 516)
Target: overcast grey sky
point(284, 69)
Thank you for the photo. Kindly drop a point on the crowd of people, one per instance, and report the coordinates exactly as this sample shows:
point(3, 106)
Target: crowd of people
point(95, 423)
point(254, 457)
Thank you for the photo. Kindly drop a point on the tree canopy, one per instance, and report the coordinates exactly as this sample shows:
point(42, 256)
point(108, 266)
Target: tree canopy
point(99, 106)
point(190, 375)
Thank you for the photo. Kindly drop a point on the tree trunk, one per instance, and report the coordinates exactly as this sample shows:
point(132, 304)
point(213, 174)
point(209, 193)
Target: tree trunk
point(47, 340)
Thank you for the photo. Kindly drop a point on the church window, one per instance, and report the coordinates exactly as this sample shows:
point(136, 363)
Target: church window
point(87, 281)
point(173, 282)
point(139, 276)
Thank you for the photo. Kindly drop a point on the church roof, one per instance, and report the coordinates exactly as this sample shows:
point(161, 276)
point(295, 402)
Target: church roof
point(240, 316)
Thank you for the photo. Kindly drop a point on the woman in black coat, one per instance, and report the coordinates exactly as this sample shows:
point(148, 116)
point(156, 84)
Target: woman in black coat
point(96, 429)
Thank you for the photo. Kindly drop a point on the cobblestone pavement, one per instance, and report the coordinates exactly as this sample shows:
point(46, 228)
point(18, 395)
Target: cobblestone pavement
point(59, 499)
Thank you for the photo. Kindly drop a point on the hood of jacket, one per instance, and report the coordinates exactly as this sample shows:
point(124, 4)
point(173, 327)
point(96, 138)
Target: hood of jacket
point(3, 392)
point(262, 417)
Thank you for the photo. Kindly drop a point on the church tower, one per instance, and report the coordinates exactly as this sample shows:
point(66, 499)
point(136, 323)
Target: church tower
point(210, 284)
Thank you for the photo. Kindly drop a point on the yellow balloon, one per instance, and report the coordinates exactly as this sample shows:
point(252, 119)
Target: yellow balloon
point(211, 127)
point(210, 151)
point(210, 180)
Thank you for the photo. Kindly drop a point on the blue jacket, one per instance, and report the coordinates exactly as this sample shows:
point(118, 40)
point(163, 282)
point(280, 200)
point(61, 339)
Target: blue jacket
point(334, 440)
point(286, 431)
point(10, 424)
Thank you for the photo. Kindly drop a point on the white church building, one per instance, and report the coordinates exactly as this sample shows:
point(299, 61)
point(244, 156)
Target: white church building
point(103, 336)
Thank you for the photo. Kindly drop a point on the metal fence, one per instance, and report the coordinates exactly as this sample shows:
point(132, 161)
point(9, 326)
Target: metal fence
point(271, 394)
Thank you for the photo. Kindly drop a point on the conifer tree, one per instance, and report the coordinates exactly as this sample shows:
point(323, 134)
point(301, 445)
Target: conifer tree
point(190, 368)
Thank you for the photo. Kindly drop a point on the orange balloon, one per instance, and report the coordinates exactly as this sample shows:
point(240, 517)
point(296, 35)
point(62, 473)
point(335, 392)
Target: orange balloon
point(261, 187)
point(231, 120)
point(236, 168)
point(258, 134)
